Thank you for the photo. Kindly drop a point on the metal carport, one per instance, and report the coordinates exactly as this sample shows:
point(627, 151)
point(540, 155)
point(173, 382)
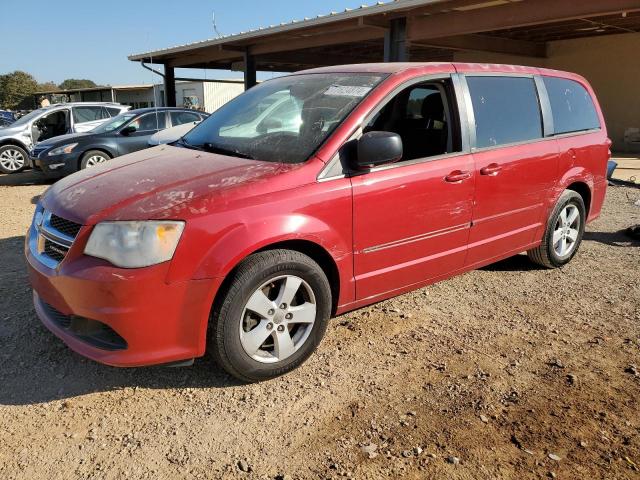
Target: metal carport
point(532, 32)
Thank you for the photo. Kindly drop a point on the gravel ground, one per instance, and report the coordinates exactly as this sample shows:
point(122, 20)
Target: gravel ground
point(506, 372)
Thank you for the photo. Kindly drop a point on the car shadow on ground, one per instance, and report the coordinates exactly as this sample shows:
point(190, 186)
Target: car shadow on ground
point(36, 367)
point(517, 263)
point(613, 239)
point(28, 177)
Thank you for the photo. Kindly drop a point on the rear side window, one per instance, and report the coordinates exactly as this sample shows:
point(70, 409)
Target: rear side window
point(88, 114)
point(572, 107)
point(179, 118)
point(114, 111)
point(506, 110)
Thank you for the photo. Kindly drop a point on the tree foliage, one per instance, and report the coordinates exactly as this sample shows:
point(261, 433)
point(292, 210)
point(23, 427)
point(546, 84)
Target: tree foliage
point(72, 83)
point(47, 87)
point(16, 89)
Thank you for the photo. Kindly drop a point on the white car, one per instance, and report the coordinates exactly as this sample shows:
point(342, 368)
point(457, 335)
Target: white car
point(18, 139)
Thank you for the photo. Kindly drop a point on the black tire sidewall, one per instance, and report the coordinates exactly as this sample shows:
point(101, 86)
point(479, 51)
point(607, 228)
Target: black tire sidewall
point(227, 324)
point(569, 197)
point(24, 154)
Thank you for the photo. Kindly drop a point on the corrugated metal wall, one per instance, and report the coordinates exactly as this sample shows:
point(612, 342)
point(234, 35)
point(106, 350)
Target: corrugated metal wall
point(217, 94)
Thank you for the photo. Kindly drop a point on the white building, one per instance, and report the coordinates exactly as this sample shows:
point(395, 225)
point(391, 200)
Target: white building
point(206, 95)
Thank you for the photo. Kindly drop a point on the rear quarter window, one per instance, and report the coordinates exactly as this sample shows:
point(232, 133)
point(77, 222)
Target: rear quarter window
point(506, 110)
point(572, 106)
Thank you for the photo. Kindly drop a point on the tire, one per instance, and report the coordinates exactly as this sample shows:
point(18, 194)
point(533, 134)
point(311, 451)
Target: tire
point(92, 158)
point(550, 254)
point(236, 330)
point(13, 159)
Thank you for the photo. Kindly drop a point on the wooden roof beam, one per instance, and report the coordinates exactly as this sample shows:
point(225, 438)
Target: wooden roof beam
point(512, 15)
point(485, 43)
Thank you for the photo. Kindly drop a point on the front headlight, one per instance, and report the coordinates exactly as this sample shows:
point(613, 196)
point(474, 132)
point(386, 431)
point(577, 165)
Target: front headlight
point(135, 244)
point(63, 149)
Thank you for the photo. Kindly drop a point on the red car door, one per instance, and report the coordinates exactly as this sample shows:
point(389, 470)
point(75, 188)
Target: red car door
point(515, 166)
point(410, 224)
point(411, 220)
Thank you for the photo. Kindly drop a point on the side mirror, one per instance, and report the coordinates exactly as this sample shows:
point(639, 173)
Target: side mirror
point(128, 130)
point(378, 148)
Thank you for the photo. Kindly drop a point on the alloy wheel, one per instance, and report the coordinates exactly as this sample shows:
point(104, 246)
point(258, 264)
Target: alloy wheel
point(94, 160)
point(12, 159)
point(278, 319)
point(567, 231)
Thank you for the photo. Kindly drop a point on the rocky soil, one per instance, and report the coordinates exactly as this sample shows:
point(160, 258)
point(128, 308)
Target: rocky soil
point(507, 372)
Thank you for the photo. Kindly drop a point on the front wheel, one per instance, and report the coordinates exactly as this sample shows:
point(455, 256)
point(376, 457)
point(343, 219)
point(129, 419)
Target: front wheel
point(272, 315)
point(13, 159)
point(564, 232)
point(93, 158)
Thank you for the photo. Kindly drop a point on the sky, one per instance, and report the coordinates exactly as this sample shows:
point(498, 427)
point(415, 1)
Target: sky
point(56, 40)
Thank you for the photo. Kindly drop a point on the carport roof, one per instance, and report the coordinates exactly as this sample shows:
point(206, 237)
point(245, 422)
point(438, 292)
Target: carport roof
point(434, 29)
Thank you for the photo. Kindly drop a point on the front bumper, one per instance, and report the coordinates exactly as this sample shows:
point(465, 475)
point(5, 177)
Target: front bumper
point(160, 322)
point(57, 165)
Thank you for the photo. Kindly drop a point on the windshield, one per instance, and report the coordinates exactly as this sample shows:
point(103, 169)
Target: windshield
point(28, 117)
point(115, 122)
point(282, 120)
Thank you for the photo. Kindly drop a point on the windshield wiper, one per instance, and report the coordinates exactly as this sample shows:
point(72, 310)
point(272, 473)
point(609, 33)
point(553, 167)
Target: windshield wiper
point(185, 144)
point(211, 148)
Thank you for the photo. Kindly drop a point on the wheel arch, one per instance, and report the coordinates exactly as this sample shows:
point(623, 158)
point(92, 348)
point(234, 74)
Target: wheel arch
point(313, 250)
point(14, 142)
point(582, 189)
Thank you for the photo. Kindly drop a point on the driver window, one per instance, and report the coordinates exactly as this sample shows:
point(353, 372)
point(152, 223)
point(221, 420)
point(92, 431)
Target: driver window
point(423, 116)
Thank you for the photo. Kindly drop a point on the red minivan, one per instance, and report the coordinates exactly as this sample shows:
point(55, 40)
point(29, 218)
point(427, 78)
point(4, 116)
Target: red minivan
point(311, 195)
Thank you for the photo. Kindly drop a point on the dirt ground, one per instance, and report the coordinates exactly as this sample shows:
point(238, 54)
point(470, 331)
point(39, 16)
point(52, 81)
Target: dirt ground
point(506, 372)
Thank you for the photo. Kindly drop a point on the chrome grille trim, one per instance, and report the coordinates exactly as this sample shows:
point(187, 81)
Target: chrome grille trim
point(43, 234)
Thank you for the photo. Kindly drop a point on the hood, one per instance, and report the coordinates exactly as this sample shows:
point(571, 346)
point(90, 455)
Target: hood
point(149, 184)
point(63, 139)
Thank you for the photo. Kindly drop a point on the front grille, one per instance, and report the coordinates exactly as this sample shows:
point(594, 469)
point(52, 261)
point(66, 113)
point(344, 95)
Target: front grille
point(55, 251)
point(96, 334)
point(62, 225)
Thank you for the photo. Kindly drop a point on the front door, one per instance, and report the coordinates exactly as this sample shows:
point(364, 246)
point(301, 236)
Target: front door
point(515, 166)
point(141, 129)
point(411, 220)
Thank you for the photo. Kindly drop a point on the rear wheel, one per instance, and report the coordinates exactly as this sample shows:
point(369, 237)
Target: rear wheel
point(12, 159)
point(93, 158)
point(564, 232)
point(271, 317)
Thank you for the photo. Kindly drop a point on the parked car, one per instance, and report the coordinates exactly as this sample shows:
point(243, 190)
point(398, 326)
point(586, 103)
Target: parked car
point(126, 133)
point(8, 116)
point(400, 175)
point(172, 134)
point(19, 138)
point(5, 122)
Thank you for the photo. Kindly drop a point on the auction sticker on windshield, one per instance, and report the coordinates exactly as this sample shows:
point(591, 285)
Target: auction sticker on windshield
point(347, 91)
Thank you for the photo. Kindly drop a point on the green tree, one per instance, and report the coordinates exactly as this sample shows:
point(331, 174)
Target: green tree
point(17, 89)
point(47, 87)
point(72, 83)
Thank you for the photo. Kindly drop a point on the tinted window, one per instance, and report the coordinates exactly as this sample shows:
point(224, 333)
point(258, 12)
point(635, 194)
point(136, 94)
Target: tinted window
point(88, 114)
point(179, 118)
point(150, 121)
point(572, 106)
point(113, 111)
point(506, 110)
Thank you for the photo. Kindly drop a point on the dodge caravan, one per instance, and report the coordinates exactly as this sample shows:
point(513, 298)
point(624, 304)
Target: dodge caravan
point(398, 176)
